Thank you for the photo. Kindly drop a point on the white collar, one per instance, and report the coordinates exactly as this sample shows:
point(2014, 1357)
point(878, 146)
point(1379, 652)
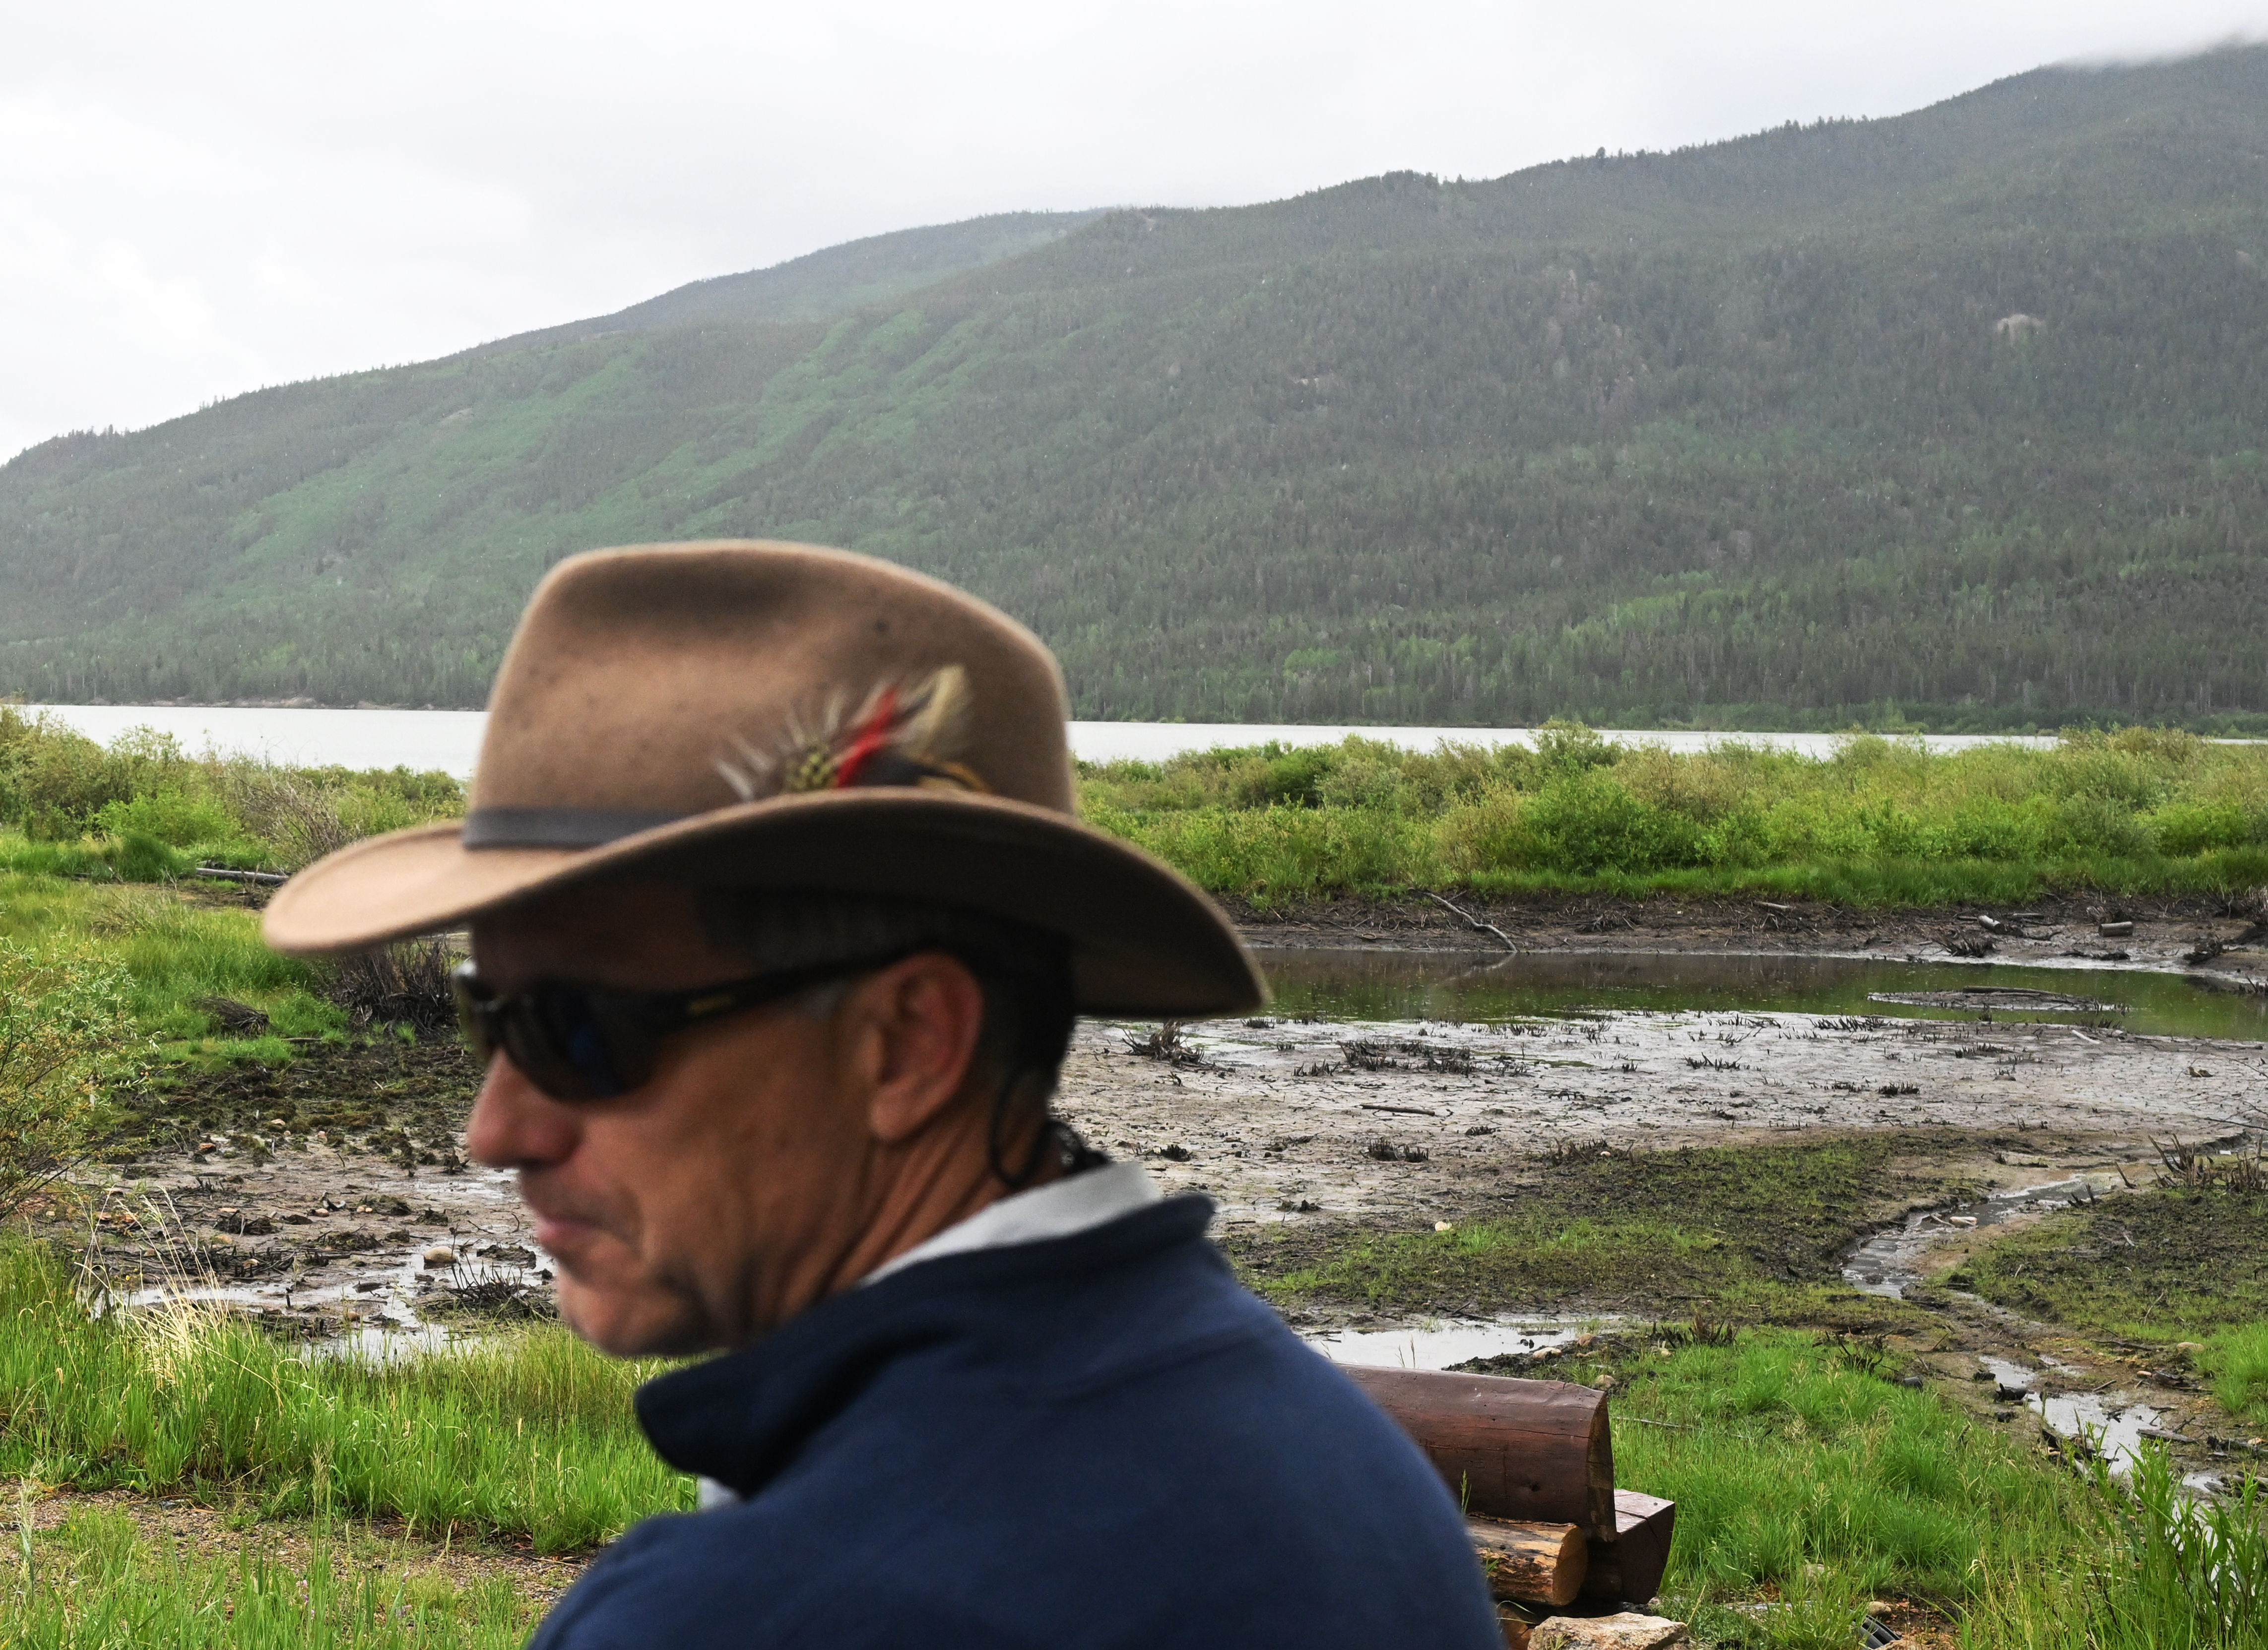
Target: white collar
point(1073, 1204)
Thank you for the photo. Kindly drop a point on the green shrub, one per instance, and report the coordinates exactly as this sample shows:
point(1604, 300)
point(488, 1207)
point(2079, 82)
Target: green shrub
point(1881, 820)
point(66, 1030)
point(170, 815)
point(1588, 821)
point(2183, 828)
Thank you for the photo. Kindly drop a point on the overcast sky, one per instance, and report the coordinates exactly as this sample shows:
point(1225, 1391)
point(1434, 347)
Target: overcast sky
point(197, 201)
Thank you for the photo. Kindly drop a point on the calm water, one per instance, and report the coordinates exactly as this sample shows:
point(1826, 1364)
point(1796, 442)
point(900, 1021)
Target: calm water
point(451, 740)
point(1466, 986)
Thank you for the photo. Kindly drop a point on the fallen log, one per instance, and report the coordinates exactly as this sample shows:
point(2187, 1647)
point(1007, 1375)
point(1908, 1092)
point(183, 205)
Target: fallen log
point(1531, 1451)
point(221, 873)
point(1528, 1563)
point(1628, 1568)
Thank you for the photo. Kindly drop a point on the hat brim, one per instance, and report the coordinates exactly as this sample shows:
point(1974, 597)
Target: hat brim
point(1145, 942)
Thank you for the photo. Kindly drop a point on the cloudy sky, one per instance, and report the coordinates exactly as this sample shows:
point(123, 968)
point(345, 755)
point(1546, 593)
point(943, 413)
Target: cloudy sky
point(197, 201)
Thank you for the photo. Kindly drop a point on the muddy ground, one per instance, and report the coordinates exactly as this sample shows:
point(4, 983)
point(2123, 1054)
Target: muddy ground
point(2047, 930)
point(334, 1187)
point(332, 1193)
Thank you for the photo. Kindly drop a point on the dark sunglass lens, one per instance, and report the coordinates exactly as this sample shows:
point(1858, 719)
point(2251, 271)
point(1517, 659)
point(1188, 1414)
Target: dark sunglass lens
point(577, 1049)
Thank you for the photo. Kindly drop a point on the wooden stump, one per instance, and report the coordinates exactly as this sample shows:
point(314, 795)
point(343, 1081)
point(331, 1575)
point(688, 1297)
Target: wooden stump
point(1529, 1563)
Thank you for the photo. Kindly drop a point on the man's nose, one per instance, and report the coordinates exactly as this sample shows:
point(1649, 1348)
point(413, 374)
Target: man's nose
point(515, 1124)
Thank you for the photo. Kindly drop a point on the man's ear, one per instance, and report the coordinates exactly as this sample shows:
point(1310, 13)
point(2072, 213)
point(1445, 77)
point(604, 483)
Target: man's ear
point(917, 1023)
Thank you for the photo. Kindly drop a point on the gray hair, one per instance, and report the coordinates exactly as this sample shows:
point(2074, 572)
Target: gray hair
point(1024, 972)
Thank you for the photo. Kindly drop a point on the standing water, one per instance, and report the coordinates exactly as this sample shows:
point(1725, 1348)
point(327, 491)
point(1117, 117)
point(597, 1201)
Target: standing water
point(451, 740)
point(1464, 986)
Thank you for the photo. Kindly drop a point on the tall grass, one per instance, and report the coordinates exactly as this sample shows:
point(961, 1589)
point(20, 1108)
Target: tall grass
point(1800, 1472)
point(2165, 1572)
point(1880, 822)
point(1782, 1454)
point(2236, 1361)
point(96, 1581)
point(173, 952)
point(528, 1434)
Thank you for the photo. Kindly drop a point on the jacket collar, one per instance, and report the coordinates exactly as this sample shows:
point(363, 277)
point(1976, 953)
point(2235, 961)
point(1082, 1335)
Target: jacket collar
point(743, 1417)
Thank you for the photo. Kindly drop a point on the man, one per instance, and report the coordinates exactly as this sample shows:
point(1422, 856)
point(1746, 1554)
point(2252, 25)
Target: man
point(781, 917)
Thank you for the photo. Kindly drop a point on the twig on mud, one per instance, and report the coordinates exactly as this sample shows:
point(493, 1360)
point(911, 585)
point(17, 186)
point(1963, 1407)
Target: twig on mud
point(1475, 923)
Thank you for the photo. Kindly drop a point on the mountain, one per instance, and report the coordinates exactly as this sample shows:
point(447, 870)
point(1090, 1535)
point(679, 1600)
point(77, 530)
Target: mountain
point(1953, 418)
point(823, 284)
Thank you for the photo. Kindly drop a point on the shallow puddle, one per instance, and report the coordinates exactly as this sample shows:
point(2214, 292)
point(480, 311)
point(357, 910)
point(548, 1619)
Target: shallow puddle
point(1896, 1257)
point(1451, 1341)
point(1461, 986)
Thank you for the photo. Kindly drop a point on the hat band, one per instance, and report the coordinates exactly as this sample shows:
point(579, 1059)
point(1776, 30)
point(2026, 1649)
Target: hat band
point(559, 827)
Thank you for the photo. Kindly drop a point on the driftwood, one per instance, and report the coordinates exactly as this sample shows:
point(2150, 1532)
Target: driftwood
point(1475, 923)
point(1530, 1564)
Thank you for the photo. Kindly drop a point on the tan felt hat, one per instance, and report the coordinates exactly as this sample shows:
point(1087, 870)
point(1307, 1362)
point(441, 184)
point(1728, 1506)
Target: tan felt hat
point(758, 715)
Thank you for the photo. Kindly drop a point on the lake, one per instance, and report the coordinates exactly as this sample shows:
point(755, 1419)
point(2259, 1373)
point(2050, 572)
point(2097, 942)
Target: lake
point(451, 740)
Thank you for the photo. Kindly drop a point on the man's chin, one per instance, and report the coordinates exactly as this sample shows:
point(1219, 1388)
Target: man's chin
point(623, 1325)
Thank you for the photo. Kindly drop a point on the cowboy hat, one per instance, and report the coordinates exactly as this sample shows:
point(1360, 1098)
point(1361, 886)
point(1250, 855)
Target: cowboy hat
point(755, 714)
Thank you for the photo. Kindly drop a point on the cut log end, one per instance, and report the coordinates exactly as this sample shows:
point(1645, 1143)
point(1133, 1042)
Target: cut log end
point(1528, 1563)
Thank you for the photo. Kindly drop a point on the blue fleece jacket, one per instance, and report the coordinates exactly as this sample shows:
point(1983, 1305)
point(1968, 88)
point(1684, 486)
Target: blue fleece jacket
point(1097, 1440)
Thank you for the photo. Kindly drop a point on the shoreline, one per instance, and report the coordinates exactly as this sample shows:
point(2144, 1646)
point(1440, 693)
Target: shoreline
point(2061, 932)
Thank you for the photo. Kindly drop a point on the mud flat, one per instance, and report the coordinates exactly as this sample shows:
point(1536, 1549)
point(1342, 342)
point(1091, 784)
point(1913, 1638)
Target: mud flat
point(1397, 1124)
point(331, 1193)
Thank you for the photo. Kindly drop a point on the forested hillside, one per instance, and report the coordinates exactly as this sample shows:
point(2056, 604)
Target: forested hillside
point(1953, 418)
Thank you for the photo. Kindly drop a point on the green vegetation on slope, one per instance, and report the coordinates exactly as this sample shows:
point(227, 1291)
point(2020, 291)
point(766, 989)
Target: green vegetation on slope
point(822, 285)
point(1762, 432)
point(2175, 1265)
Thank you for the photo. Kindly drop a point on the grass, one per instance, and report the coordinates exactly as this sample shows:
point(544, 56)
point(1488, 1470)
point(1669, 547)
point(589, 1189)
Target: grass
point(2235, 1359)
point(1808, 1483)
point(2149, 1569)
point(98, 1580)
point(1783, 1451)
point(2167, 1265)
point(2139, 812)
point(175, 949)
point(1758, 1232)
point(528, 1434)
point(1881, 822)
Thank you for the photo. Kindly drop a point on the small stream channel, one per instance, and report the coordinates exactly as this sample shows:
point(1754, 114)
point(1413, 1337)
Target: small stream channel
point(1887, 1264)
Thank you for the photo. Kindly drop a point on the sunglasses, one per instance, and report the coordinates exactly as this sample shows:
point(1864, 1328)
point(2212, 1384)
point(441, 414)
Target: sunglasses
point(580, 1042)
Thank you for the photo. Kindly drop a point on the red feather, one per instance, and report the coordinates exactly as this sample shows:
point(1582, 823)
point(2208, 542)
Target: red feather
point(871, 736)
